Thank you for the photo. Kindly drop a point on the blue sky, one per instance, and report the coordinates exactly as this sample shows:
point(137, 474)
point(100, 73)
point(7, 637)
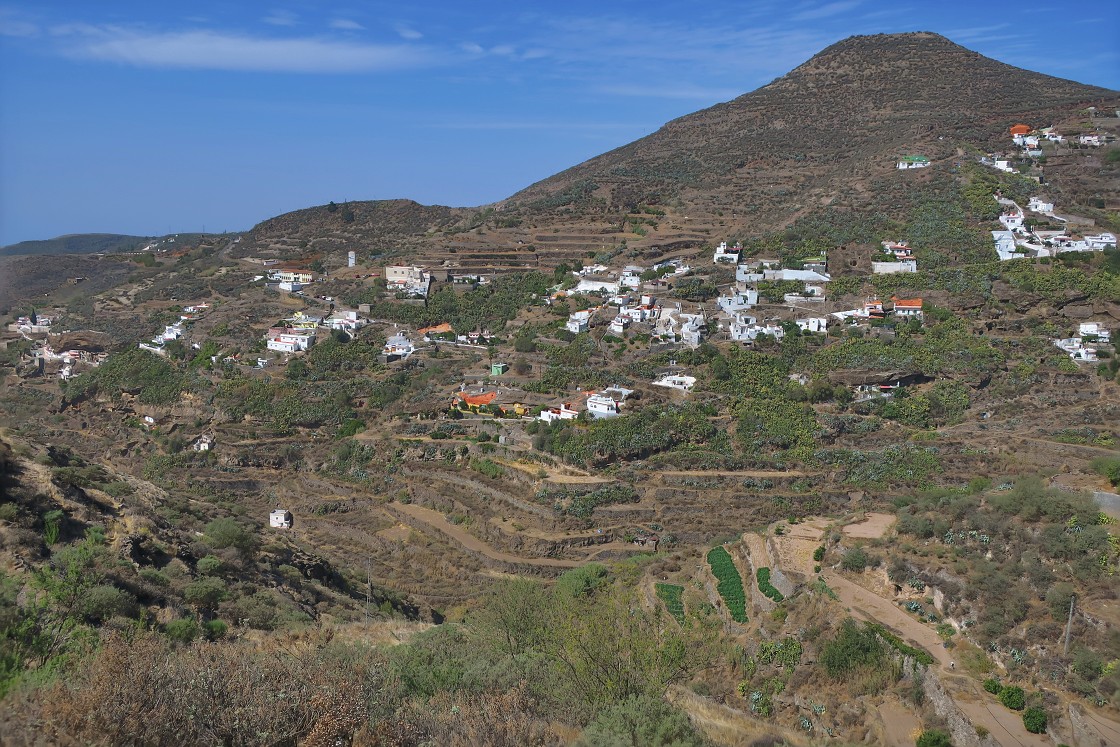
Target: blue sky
point(150, 117)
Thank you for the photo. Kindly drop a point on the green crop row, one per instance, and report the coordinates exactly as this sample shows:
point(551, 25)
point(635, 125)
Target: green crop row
point(766, 587)
point(670, 594)
point(729, 583)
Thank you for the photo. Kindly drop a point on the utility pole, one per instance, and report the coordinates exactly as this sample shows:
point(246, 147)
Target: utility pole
point(1069, 624)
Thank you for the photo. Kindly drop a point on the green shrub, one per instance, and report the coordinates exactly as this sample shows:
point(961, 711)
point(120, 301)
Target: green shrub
point(854, 560)
point(729, 583)
point(183, 630)
point(934, 738)
point(209, 565)
point(1034, 719)
point(215, 629)
point(155, 577)
point(1013, 698)
point(853, 647)
point(221, 533)
point(818, 554)
point(642, 719)
point(993, 686)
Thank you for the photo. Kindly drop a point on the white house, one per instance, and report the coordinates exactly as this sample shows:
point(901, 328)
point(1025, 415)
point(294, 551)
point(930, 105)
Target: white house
point(578, 322)
point(813, 324)
point(602, 406)
point(620, 324)
point(595, 286)
point(692, 330)
point(631, 277)
point(724, 253)
point(1037, 205)
point(892, 268)
point(913, 162)
point(1092, 139)
point(564, 412)
point(1094, 329)
point(900, 250)
point(280, 518)
point(1100, 241)
point(677, 381)
point(1076, 349)
point(203, 443)
point(399, 346)
point(1005, 245)
point(346, 320)
point(908, 307)
point(290, 342)
point(1003, 164)
point(1011, 220)
point(740, 300)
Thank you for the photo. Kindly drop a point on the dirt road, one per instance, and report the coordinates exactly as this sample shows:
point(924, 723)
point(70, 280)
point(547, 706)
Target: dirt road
point(439, 522)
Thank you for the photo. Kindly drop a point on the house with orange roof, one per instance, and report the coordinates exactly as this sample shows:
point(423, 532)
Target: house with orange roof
point(910, 308)
point(475, 401)
point(1020, 129)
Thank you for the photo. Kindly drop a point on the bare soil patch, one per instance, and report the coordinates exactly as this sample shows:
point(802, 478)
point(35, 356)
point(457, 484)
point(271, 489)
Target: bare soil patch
point(872, 527)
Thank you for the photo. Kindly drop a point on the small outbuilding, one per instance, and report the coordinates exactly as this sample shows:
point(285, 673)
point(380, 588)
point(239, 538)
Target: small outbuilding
point(280, 518)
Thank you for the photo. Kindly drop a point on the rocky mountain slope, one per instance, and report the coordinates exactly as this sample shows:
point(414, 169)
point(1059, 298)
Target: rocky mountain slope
point(826, 134)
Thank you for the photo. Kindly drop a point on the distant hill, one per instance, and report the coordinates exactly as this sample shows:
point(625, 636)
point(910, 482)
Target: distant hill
point(78, 243)
point(859, 103)
point(96, 243)
point(827, 134)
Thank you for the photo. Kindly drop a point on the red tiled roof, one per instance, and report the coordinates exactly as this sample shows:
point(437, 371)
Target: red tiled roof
point(477, 400)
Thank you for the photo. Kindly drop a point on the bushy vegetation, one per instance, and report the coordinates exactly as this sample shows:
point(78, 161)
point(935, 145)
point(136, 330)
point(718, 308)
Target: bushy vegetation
point(729, 583)
point(646, 432)
point(154, 379)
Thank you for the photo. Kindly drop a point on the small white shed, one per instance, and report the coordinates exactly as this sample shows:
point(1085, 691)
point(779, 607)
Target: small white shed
point(280, 518)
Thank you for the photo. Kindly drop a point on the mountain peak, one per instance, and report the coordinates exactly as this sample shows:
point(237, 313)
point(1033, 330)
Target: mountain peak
point(858, 103)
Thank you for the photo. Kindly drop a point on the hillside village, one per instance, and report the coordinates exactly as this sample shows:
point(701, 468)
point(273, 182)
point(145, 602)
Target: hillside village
point(844, 477)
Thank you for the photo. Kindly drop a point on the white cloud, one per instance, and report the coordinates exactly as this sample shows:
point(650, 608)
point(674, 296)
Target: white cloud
point(281, 18)
point(214, 50)
point(825, 11)
point(345, 24)
point(407, 32)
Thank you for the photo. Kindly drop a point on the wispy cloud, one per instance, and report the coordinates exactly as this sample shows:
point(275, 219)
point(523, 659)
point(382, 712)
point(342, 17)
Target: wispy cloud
point(216, 50)
point(281, 18)
point(407, 32)
point(825, 11)
point(345, 24)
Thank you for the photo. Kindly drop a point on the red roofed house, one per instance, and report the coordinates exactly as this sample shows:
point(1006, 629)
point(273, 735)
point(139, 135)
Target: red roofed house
point(908, 307)
point(476, 400)
point(1020, 129)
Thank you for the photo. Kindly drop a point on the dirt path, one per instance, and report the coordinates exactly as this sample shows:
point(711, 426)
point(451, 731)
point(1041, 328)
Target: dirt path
point(723, 473)
point(900, 727)
point(439, 522)
point(796, 547)
point(1106, 728)
point(1005, 725)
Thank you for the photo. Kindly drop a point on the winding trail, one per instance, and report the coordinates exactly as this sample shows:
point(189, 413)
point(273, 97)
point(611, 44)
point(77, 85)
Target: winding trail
point(439, 522)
